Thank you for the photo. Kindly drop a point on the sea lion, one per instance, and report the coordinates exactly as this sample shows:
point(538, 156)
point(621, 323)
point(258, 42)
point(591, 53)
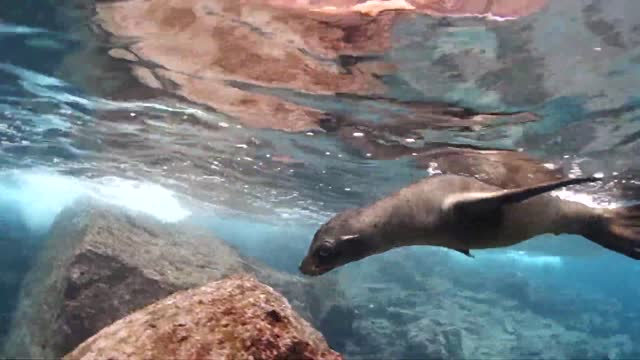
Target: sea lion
point(463, 213)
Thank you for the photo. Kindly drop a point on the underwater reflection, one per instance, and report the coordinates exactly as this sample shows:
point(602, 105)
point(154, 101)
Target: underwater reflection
point(195, 48)
point(245, 41)
point(500, 8)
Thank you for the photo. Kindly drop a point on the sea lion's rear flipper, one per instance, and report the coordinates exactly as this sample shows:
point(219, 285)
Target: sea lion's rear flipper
point(619, 231)
point(483, 204)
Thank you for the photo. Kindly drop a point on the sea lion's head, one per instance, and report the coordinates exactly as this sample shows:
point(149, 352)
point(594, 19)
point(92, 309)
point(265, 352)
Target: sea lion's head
point(343, 239)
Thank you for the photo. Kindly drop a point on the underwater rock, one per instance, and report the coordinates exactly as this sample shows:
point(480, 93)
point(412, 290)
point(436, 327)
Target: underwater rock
point(101, 263)
point(514, 286)
point(337, 325)
point(427, 340)
point(234, 318)
point(376, 338)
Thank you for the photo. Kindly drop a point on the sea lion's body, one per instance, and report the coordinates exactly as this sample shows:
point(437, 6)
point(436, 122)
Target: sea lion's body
point(463, 213)
point(415, 216)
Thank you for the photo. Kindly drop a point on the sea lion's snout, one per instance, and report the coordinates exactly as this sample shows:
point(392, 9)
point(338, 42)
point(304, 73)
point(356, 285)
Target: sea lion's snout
point(320, 258)
point(309, 267)
point(337, 243)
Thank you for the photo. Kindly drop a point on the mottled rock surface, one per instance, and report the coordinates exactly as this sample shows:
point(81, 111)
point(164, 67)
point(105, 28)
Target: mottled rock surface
point(235, 318)
point(101, 263)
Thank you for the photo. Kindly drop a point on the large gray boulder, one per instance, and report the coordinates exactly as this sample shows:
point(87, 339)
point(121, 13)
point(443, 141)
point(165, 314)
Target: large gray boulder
point(102, 263)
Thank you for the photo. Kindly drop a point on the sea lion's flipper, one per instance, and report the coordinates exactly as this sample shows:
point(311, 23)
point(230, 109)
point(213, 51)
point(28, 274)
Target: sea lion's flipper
point(486, 203)
point(465, 252)
point(619, 232)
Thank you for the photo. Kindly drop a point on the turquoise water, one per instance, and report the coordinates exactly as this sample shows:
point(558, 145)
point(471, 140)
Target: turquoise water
point(261, 151)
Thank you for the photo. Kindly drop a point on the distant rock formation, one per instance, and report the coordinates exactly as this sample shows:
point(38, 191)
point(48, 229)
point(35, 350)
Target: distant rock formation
point(102, 263)
point(234, 318)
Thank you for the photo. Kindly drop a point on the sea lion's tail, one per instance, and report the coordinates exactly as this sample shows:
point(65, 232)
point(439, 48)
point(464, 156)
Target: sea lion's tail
point(619, 231)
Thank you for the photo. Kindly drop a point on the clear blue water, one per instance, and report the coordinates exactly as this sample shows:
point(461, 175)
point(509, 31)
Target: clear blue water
point(77, 119)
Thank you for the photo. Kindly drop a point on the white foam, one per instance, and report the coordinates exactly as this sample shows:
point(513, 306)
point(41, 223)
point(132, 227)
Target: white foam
point(40, 195)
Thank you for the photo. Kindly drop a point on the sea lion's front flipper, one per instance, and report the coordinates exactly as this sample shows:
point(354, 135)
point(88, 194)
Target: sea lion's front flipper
point(486, 203)
point(465, 252)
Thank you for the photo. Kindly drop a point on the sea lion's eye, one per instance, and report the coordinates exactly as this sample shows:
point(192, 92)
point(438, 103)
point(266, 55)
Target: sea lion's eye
point(324, 250)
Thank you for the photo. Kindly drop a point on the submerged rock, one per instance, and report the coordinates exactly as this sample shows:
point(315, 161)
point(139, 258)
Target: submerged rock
point(101, 263)
point(235, 318)
point(337, 325)
point(427, 340)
